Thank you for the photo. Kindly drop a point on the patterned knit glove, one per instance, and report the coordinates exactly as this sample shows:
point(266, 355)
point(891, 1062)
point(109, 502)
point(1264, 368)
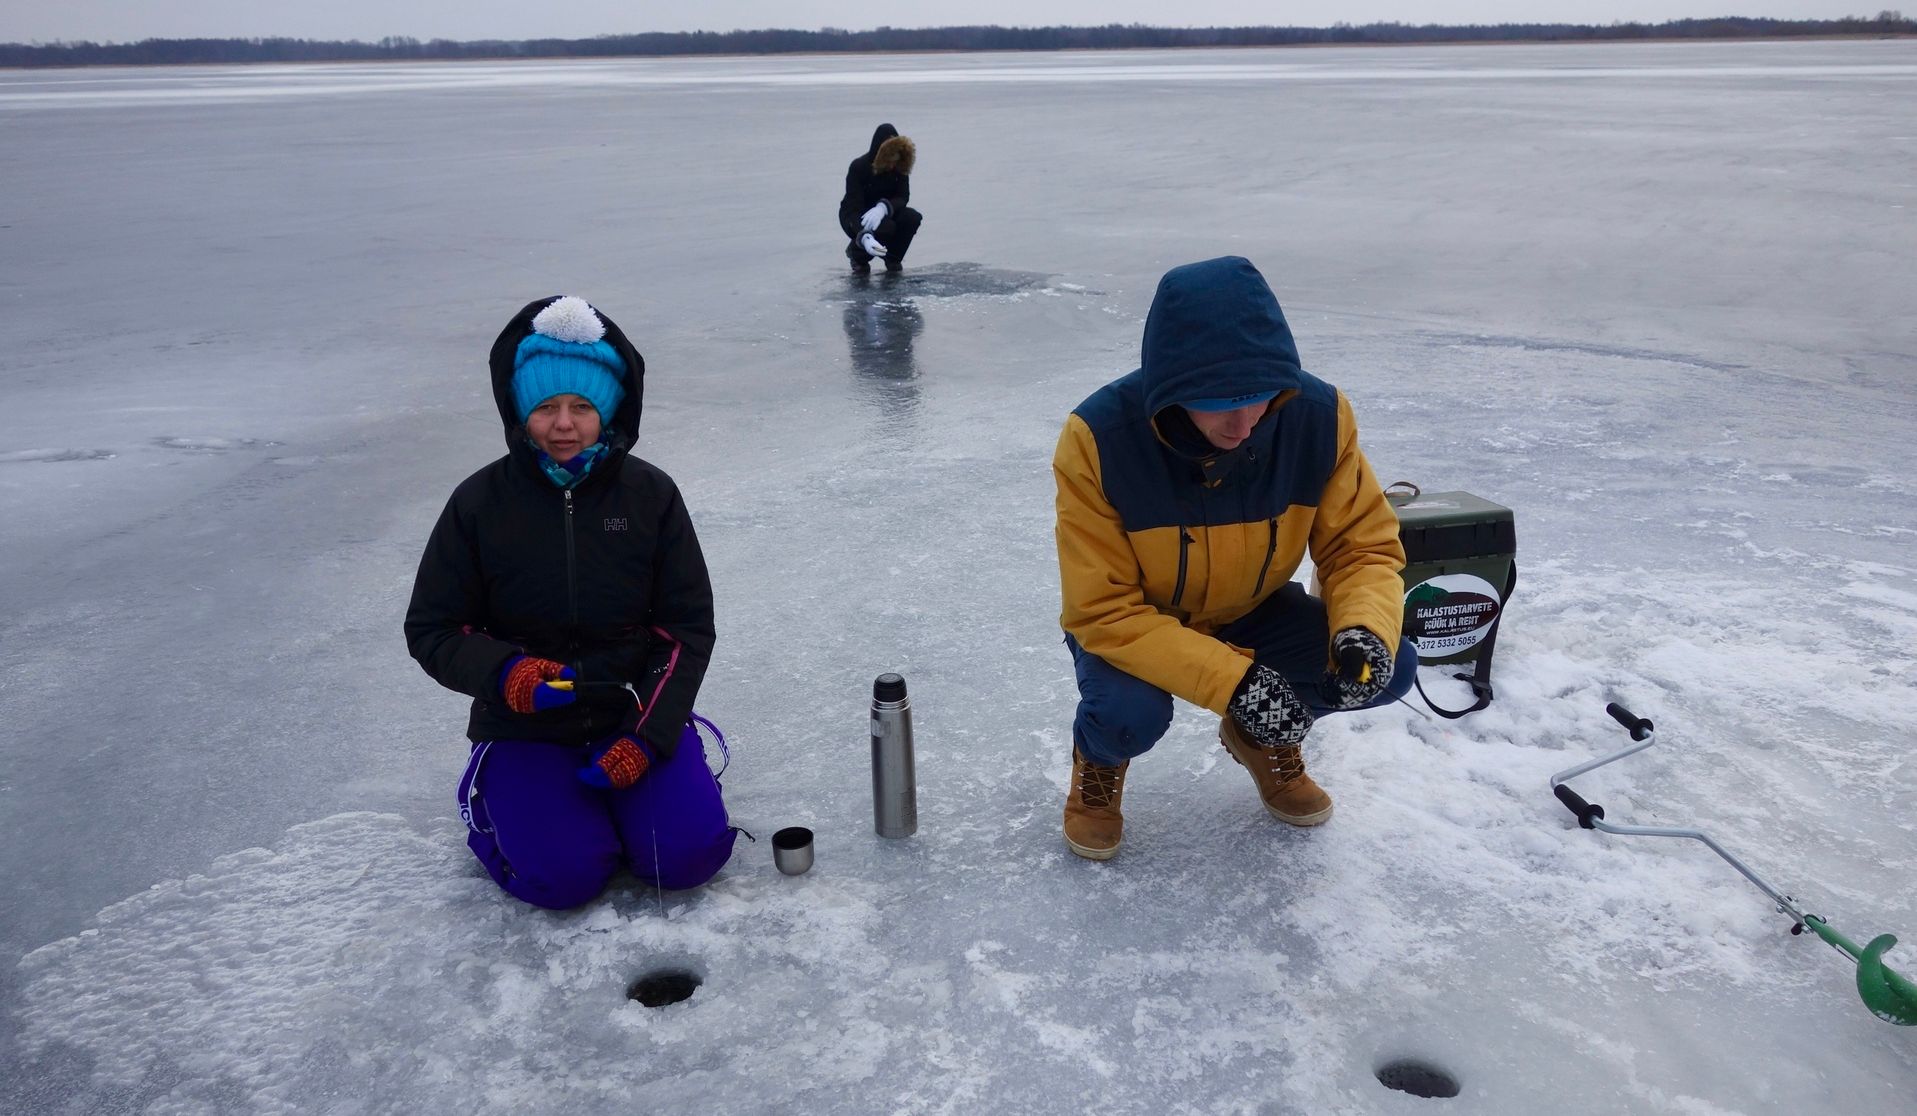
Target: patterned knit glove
point(618, 764)
point(526, 684)
point(1268, 710)
point(1361, 668)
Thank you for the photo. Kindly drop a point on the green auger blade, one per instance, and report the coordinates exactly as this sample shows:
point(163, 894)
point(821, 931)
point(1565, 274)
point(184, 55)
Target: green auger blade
point(1888, 995)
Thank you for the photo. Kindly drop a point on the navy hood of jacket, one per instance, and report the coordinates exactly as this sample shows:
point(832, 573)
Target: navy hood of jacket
point(1215, 331)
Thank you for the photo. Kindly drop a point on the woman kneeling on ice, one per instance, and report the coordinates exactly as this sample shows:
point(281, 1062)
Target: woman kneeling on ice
point(559, 580)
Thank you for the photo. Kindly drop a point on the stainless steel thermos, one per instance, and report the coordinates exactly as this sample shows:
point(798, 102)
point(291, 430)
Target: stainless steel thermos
point(895, 797)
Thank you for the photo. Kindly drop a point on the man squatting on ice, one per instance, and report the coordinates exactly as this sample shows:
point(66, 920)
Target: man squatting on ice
point(873, 212)
point(556, 578)
point(1188, 492)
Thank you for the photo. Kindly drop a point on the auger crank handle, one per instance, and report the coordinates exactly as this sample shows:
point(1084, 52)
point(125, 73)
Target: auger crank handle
point(1640, 727)
point(1587, 812)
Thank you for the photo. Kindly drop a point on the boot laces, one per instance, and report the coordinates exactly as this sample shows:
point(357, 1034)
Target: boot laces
point(1098, 785)
point(1287, 761)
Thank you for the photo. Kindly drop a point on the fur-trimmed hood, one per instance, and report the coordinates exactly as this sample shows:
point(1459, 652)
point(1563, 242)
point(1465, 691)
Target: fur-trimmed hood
point(895, 156)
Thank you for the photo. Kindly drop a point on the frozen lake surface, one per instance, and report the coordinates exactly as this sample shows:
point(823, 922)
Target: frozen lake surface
point(1655, 298)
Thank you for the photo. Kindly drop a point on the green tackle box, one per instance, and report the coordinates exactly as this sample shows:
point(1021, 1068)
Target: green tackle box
point(1459, 553)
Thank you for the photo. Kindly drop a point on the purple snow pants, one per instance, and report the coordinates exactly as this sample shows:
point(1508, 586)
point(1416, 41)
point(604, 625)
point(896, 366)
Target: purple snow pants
point(551, 840)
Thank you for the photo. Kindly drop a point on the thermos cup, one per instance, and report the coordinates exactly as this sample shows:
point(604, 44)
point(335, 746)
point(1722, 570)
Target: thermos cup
point(895, 803)
point(792, 850)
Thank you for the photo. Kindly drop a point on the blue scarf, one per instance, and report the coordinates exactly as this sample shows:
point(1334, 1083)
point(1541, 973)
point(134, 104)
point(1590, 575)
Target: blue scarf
point(569, 473)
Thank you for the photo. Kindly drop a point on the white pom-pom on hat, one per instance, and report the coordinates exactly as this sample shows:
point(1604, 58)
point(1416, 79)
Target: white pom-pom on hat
point(569, 318)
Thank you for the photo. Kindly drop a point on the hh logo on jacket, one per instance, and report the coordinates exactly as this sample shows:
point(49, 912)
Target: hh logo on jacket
point(616, 524)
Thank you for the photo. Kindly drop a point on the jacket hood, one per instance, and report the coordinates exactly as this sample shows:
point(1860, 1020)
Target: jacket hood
point(1215, 330)
point(895, 156)
point(880, 135)
point(622, 429)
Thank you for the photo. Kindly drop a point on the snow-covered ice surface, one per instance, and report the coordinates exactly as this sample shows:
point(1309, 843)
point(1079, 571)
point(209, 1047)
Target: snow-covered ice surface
point(1655, 298)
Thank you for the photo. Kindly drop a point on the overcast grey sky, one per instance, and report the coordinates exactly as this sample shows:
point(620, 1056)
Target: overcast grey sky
point(126, 20)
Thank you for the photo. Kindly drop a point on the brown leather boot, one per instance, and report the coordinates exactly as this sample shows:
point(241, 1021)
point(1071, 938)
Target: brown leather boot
point(1093, 824)
point(1279, 773)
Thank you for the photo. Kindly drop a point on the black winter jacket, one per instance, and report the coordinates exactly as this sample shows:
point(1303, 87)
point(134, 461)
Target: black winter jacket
point(607, 577)
point(864, 188)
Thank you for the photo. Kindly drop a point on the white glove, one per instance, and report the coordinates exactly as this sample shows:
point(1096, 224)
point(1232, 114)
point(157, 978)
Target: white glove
point(873, 216)
point(871, 244)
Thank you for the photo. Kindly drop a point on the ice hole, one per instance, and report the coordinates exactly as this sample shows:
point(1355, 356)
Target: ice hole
point(1420, 1079)
point(664, 986)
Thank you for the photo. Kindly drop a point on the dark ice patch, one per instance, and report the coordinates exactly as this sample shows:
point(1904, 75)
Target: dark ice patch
point(952, 280)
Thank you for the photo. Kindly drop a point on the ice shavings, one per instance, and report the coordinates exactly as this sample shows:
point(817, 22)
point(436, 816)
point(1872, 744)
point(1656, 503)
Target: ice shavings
point(362, 946)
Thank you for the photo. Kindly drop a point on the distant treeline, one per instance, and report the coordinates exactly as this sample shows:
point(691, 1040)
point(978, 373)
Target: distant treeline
point(151, 52)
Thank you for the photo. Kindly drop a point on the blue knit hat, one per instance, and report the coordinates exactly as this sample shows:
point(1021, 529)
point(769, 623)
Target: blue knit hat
point(567, 352)
point(1230, 404)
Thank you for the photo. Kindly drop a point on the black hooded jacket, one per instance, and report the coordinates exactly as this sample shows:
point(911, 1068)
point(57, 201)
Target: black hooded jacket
point(606, 577)
point(864, 188)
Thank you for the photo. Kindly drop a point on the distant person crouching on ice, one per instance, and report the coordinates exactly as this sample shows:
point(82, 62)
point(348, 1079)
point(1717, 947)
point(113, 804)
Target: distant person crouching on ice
point(1188, 492)
point(558, 576)
point(873, 212)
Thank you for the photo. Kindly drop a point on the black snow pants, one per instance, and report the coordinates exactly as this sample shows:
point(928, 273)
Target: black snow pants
point(895, 232)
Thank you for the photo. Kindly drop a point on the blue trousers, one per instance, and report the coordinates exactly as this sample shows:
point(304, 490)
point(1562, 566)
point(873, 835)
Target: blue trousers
point(553, 841)
point(1120, 716)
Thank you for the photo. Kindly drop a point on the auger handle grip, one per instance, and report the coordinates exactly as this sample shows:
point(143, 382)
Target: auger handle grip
point(1587, 812)
point(1640, 726)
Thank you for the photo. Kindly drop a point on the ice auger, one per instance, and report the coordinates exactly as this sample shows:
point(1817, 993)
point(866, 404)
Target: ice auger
point(1889, 995)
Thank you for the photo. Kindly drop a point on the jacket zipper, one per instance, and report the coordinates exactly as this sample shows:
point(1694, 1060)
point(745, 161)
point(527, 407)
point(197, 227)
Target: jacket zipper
point(1184, 545)
point(1271, 548)
point(572, 581)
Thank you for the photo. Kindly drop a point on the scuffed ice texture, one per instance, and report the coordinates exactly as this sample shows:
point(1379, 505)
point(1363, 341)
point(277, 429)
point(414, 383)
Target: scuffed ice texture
point(1654, 298)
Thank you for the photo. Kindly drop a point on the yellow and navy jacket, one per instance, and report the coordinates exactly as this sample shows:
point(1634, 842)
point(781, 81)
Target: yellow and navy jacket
point(1163, 539)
